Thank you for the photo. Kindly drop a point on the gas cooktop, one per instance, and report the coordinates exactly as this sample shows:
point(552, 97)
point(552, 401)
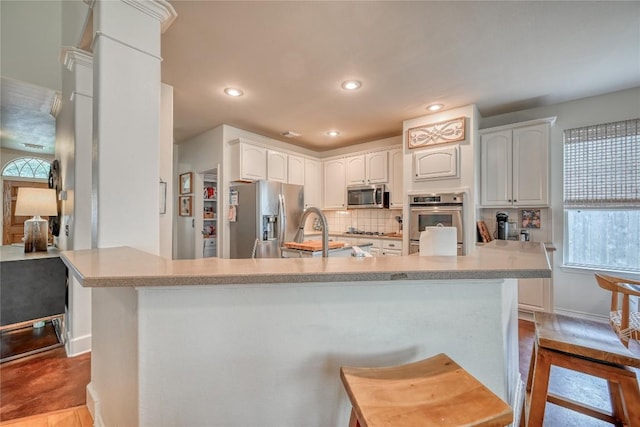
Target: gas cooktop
point(366, 233)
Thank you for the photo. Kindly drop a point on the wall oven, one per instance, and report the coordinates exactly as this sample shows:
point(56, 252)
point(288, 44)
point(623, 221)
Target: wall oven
point(430, 210)
point(367, 196)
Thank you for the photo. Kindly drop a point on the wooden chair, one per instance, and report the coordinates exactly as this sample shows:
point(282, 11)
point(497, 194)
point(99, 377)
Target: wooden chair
point(624, 322)
point(431, 392)
point(588, 347)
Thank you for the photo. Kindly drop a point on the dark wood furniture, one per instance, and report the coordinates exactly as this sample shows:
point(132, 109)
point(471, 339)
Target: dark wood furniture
point(588, 347)
point(432, 392)
point(33, 285)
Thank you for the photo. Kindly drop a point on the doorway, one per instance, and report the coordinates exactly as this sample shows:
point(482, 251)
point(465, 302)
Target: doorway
point(13, 226)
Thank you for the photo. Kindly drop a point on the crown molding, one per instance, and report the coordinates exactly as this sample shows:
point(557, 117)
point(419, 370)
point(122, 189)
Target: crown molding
point(159, 9)
point(70, 56)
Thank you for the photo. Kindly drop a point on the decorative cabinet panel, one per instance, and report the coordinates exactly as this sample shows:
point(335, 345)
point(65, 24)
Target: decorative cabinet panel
point(514, 166)
point(536, 294)
point(312, 183)
point(277, 166)
point(436, 163)
point(370, 168)
point(295, 168)
point(396, 166)
point(334, 184)
point(248, 162)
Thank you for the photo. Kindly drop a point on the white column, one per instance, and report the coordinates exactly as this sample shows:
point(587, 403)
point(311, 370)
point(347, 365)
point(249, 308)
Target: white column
point(126, 118)
point(76, 225)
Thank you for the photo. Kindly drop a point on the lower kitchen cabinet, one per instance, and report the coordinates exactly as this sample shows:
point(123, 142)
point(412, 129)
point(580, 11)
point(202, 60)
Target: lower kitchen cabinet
point(535, 294)
point(391, 248)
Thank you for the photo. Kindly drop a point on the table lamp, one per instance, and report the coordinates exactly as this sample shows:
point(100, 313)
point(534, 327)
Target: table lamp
point(36, 202)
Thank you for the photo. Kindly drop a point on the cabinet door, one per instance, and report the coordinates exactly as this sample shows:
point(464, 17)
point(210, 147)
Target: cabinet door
point(377, 167)
point(253, 162)
point(436, 163)
point(495, 169)
point(531, 165)
point(356, 170)
point(531, 294)
point(335, 193)
point(396, 195)
point(312, 183)
point(277, 166)
point(296, 170)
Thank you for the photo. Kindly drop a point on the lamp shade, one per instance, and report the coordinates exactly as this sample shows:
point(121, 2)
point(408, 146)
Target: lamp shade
point(36, 202)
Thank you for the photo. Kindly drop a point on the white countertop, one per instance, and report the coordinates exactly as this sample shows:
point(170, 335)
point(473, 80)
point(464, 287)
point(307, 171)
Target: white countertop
point(17, 253)
point(124, 266)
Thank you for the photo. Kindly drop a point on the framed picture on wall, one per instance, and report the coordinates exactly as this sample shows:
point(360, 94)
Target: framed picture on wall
point(530, 218)
point(186, 183)
point(185, 205)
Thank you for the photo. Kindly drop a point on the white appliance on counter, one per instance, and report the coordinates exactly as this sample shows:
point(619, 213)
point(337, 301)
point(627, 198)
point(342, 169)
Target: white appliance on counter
point(433, 210)
point(267, 215)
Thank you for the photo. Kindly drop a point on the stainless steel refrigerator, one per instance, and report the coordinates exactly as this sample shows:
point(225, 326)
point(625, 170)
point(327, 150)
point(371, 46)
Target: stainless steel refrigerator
point(267, 215)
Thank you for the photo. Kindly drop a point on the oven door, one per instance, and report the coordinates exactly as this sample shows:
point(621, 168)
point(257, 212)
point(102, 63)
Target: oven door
point(422, 217)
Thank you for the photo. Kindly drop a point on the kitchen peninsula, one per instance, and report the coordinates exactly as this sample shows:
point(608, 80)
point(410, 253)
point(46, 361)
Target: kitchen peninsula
point(220, 342)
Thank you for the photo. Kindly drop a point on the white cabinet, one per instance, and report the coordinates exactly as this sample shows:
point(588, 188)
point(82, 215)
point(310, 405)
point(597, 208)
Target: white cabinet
point(277, 166)
point(396, 165)
point(536, 294)
point(370, 168)
point(334, 184)
point(514, 166)
point(312, 183)
point(391, 248)
point(296, 170)
point(248, 161)
point(436, 163)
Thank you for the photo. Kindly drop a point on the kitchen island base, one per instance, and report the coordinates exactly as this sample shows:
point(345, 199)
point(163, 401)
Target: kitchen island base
point(270, 354)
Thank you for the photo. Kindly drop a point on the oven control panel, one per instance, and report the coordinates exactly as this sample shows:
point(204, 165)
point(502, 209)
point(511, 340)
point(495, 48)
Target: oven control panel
point(435, 199)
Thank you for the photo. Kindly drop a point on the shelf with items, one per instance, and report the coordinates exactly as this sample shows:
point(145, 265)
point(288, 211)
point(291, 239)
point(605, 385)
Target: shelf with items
point(209, 215)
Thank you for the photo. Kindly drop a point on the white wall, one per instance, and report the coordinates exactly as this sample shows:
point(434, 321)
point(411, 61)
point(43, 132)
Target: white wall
point(575, 292)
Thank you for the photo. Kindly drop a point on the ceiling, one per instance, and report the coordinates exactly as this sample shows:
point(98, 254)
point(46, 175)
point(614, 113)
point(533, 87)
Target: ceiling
point(27, 117)
point(291, 57)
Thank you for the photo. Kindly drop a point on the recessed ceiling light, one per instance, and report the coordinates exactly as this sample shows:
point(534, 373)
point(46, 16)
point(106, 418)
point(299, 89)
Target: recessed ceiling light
point(351, 84)
point(232, 91)
point(333, 133)
point(435, 107)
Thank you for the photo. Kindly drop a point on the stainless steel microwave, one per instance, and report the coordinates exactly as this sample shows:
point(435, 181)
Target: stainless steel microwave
point(367, 196)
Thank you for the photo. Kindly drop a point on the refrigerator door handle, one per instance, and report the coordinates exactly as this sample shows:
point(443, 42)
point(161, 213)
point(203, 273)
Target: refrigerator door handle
point(282, 220)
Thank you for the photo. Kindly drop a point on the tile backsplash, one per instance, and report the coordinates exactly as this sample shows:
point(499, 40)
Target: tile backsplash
point(380, 220)
point(542, 234)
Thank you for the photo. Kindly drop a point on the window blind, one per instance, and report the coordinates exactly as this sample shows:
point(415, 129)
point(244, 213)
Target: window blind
point(601, 165)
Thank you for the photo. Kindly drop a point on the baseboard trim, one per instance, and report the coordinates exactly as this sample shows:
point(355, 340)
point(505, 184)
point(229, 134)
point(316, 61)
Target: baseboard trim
point(93, 404)
point(77, 346)
point(582, 315)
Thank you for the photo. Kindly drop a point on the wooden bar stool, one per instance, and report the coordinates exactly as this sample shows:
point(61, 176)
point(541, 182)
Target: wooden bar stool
point(588, 347)
point(431, 392)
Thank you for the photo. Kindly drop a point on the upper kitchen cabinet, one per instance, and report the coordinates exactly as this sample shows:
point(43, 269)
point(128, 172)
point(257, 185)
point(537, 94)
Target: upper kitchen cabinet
point(277, 166)
point(296, 170)
point(514, 165)
point(436, 163)
point(312, 183)
point(396, 160)
point(334, 180)
point(248, 161)
point(370, 168)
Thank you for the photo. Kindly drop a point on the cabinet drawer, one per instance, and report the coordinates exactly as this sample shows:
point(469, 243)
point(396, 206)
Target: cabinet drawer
point(392, 244)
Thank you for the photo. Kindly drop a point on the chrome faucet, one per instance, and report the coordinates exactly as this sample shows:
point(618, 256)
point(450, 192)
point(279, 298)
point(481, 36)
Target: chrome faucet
point(325, 229)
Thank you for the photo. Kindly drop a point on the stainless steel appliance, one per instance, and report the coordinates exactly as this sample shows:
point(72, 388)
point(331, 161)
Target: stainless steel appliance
point(267, 215)
point(502, 221)
point(430, 210)
point(367, 196)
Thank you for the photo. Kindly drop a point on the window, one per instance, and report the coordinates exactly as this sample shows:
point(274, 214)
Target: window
point(602, 196)
point(27, 167)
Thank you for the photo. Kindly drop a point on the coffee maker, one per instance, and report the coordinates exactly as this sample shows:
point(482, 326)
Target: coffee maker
point(502, 225)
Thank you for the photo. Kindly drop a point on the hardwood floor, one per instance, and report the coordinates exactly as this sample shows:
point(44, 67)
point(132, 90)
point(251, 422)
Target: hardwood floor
point(47, 382)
